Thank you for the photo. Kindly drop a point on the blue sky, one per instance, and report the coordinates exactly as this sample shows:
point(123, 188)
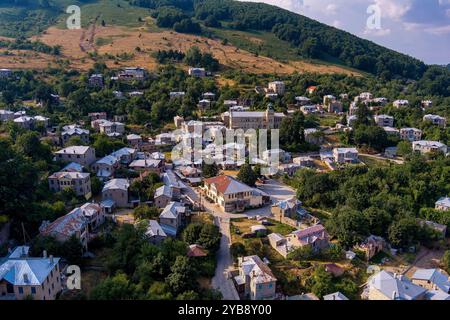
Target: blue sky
point(420, 28)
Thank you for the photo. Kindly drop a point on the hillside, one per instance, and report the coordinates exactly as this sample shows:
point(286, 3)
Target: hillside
point(249, 36)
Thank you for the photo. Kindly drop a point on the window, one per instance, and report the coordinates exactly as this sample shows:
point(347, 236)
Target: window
point(33, 290)
point(20, 290)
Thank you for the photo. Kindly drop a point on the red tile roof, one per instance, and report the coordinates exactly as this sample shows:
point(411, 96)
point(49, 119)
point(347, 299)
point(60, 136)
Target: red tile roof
point(196, 251)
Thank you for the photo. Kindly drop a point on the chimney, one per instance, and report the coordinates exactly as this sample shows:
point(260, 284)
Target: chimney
point(51, 259)
point(44, 254)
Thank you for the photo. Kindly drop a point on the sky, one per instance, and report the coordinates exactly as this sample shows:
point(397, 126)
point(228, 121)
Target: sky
point(420, 28)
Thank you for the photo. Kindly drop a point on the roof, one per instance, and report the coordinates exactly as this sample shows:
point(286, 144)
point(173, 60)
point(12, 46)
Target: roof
point(172, 210)
point(275, 237)
point(258, 228)
point(435, 276)
point(66, 225)
point(19, 252)
point(74, 131)
point(395, 287)
point(74, 150)
point(437, 295)
point(288, 204)
point(444, 201)
point(69, 175)
point(27, 271)
point(154, 229)
point(228, 185)
point(196, 250)
point(133, 137)
point(428, 143)
point(73, 167)
point(306, 296)
point(309, 232)
point(345, 150)
point(253, 114)
point(123, 152)
point(163, 190)
point(148, 163)
point(335, 296)
point(259, 272)
point(410, 129)
point(116, 184)
point(171, 180)
point(109, 160)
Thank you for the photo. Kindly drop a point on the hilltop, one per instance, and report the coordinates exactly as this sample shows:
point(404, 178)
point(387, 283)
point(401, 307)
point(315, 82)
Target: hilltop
point(252, 37)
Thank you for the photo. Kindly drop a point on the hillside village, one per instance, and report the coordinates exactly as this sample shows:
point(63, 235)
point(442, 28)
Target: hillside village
point(153, 180)
point(112, 175)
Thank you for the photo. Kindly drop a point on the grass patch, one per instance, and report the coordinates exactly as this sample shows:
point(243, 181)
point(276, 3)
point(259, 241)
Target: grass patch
point(260, 43)
point(374, 163)
point(280, 228)
point(202, 218)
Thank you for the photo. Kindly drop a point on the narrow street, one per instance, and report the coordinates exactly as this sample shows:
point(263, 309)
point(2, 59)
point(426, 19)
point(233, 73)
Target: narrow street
point(277, 191)
point(224, 260)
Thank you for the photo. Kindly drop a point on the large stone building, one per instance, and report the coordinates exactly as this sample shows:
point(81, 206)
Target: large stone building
point(268, 119)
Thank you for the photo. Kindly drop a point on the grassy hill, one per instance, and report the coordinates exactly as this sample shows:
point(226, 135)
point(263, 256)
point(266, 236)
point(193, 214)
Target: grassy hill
point(259, 29)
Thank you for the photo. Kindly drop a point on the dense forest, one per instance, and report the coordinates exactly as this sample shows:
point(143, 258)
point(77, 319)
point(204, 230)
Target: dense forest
point(313, 39)
point(380, 201)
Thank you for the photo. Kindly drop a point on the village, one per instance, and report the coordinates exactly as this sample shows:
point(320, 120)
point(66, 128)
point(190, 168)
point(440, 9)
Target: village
point(271, 242)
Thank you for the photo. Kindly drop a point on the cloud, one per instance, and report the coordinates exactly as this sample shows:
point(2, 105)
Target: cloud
point(439, 30)
point(337, 24)
point(393, 9)
point(331, 9)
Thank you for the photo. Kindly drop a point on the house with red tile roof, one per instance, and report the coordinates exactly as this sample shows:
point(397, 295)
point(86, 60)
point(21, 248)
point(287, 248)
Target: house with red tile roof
point(232, 195)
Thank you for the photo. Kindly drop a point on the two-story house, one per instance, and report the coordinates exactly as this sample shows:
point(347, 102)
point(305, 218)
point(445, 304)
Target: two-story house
point(80, 154)
point(116, 190)
point(345, 155)
point(105, 167)
point(171, 218)
point(22, 276)
point(410, 134)
point(71, 131)
point(79, 182)
point(255, 280)
point(230, 194)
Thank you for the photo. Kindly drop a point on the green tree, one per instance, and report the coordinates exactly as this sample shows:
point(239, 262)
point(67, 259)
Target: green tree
point(247, 175)
point(191, 233)
point(182, 276)
point(404, 148)
point(237, 249)
point(159, 291)
point(145, 212)
point(210, 170)
point(322, 282)
point(446, 261)
point(115, 288)
point(209, 237)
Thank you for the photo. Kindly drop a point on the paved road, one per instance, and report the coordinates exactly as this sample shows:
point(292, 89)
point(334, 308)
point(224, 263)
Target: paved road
point(220, 281)
point(224, 260)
